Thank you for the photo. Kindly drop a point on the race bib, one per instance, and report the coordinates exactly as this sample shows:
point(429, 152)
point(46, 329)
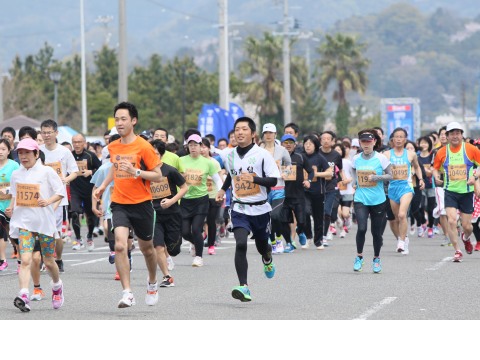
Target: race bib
point(82, 166)
point(121, 174)
point(160, 189)
point(400, 172)
point(457, 172)
point(209, 185)
point(28, 195)
point(362, 177)
point(57, 166)
point(245, 188)
point(289, 172)
point(193, 177)
point(4, 187)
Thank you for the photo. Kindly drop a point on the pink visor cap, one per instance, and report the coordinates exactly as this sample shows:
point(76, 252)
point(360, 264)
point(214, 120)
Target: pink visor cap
point(28, 144)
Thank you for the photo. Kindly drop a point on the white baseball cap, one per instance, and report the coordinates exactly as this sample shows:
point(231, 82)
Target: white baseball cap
point(355, 142)
point(269, 127)
point(454, 126)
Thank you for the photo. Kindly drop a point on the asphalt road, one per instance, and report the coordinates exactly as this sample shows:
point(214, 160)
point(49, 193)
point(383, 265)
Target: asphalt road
point(308, 284)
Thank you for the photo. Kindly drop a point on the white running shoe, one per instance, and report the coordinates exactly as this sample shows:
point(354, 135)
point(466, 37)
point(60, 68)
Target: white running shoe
point(308, 244)
point(325, 241)
point(127, 300)
point(192, 250)
point(151, 298)
point(280, 248)
point(405, 246)
point(400, 245)
point(170, 263)
point(90, 245)
point(412, 229)
point(77, 245)
point(197, 261)
point(343, 234)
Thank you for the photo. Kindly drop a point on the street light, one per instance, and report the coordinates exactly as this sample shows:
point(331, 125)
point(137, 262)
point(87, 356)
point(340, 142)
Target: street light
point(55, 76)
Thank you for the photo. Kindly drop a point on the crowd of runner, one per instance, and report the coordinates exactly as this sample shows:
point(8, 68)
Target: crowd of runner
point(283, 191)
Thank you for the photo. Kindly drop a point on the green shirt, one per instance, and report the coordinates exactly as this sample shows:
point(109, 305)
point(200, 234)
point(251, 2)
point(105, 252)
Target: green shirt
point(195, 171)
point(171, 159)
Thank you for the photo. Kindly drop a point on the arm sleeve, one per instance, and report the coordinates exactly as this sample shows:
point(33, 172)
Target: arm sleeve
point(265, 181)
point(227, 183)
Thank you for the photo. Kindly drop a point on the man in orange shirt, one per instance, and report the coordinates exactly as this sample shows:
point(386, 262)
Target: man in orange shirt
point(135, 165)
point(457, 160)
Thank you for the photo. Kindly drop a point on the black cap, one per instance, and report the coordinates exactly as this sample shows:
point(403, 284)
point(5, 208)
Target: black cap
point(366, 137)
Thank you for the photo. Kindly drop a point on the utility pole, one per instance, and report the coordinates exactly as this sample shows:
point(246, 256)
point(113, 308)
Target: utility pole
point(224, 76)
point(286, 67)
point(1, 94)
point(183, 99)
point(83, 70)
point(122, 53)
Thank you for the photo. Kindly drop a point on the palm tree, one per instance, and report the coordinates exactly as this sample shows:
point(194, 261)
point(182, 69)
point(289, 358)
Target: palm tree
point(264, 77)
point(342, 62)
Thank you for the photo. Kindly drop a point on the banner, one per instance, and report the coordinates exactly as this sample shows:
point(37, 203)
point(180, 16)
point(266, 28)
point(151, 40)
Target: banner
point(401, 113)
point(217, 121)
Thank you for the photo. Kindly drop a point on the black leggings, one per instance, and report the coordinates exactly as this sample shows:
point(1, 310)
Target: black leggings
point(192, 229)
point(476, 230)
point(377, 215)
point(90, 223)
point(213, 210)
point(241, 263)
point(417, 211)
point(315, 205)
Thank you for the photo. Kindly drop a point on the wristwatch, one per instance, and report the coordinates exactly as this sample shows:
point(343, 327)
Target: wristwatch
point(137, 173)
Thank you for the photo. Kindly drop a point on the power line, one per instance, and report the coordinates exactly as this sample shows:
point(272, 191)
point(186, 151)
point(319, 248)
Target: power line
point(166, 7)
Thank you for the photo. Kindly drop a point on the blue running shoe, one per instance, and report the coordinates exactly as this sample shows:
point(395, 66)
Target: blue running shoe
point(376, 265)
point(269, 269)
point(358, 264)
point(288, 248)
point(302, 239)
point(241, 293)
point(111, 257)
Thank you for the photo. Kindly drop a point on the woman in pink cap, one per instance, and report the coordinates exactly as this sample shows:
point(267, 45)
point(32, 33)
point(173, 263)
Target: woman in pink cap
point(34, 188)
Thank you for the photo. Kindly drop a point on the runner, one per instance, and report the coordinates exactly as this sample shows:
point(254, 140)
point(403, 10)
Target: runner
point(371, 169)
point(346, 191)
point(168, 222)
point(425, 157)
point(457, 159)
point(7, 166)
point(81, 191)
point(194, 205)
point(35, 188)
point(61, 160)
point(400, 189)
point(135, 164)
point(295, 183)
point(315, 195)
point(252, 170)
point(213, 206)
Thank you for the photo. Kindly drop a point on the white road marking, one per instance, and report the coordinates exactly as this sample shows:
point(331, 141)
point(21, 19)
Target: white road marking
point(90, 262)
point(439, 264)
point(376, 308)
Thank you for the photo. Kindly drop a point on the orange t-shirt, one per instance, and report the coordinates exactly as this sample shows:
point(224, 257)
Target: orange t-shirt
point(473, 154)
point(127, 188)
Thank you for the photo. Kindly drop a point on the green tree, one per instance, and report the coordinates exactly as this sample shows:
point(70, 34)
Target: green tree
point(342, 62)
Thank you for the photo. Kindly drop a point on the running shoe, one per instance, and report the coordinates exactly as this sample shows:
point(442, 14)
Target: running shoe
point(400, 245)
point(274, 248)
point(420, 231)
point(280, 248)
point(325, 241)
point(406, 250)
point(127, 300)
point(436, 230)
point(151, 298)
point(241, 293)
point(430, 233)
point(170, 263)
point(222, 231)
point(77, 245)
point(467, 243)
point(167, 281)
point(302, 239)
point(346, 228)
point(294, 245)
point(308, 244)
point(458, 256)
point(358, 264)
point(329, 235)
point(57, 297)
point(4, 265)
point(21, 302)
point(477, 246)
point(117, 276)
point(90, 245)
point(38, 294)
point(446, 242)
point(343, 234)
point(332, 230)
point(60, 266)
point(269, 269)
point(100, 230)
point(289, 249)
point(412, 229)
point(320, 247)
point(111, 257)
point(211, 250)
point(376, 265)
point(197, 261)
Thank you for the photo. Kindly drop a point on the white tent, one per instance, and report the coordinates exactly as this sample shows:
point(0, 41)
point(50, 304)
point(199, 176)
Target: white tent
point(65, 133)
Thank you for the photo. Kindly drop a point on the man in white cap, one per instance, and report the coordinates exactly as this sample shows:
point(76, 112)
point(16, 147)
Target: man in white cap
point(457, 159)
